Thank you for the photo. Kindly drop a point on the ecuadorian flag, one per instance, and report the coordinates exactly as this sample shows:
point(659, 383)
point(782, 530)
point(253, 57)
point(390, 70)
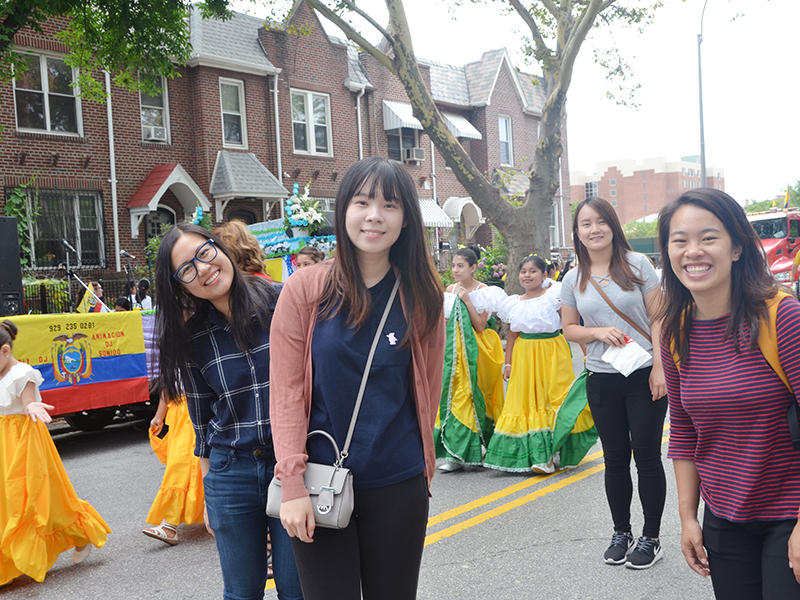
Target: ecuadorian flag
point(88, 360)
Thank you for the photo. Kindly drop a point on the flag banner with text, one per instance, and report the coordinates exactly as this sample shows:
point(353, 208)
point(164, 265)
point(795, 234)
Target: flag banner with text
point(88, 360)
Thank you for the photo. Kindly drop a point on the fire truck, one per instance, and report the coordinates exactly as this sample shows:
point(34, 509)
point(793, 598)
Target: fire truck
point(779, 230)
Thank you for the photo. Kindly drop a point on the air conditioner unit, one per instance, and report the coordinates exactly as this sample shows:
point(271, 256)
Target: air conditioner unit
point(155, 134)
point(413, 154)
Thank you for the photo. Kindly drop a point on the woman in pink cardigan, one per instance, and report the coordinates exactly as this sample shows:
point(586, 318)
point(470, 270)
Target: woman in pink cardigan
point(324, 325)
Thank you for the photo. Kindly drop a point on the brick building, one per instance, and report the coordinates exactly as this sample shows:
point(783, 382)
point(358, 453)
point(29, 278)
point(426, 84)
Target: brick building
point(638, 191)
point(253, 112)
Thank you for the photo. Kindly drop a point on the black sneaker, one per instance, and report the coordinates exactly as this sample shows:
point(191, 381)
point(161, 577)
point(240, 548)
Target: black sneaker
point(647, 553)
point(621, 546)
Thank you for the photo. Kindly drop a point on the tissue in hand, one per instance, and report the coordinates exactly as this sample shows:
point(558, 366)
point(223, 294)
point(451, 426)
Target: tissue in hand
point(628, 358)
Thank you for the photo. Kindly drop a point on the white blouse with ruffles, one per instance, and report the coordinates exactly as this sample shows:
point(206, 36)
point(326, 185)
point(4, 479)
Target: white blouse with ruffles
point(536, 315)
point(485, 299)
point(11, 387)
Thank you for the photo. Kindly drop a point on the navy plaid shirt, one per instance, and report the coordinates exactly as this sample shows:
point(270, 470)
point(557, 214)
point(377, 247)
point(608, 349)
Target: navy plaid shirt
point(227, 391)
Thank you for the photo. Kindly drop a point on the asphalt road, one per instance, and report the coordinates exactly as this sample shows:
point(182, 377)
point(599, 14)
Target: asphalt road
point(491, 535)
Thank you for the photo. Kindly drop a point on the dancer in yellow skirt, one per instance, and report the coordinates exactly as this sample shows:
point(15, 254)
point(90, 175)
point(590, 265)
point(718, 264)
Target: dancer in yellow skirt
point(180, 498)
point(41, 516)
point(539, 373)
point(472, 388)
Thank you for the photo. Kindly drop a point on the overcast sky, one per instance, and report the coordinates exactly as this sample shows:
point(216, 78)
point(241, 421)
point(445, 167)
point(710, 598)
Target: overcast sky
point(751, 88)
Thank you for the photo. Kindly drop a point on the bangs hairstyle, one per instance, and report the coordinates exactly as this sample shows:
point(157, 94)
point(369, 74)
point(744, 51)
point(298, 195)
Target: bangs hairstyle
point(537, 261)
point(178, 311)
point(620, 269)
point(751, 282)
point(345, 289)
point(243, 247)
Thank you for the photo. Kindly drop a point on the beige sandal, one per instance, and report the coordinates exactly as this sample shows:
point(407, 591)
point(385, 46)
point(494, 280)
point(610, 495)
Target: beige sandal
point(160, 533)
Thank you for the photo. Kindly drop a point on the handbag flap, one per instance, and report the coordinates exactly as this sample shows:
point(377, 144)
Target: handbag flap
point(318, 475)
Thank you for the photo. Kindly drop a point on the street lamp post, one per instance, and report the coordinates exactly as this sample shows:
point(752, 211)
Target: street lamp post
point(700, 76)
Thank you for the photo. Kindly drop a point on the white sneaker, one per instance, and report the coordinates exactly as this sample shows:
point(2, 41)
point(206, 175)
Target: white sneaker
point(451, 467)
point(549, 468)
point(78, 556)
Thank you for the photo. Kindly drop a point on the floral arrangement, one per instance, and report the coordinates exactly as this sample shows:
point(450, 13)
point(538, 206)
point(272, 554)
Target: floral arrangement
point(325, 243)
point(302, 212)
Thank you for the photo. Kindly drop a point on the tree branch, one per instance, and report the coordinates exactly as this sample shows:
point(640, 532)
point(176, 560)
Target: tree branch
point(576, 39)
point(15, 21)
point(352, 6)
point(526, 16)
point(352, 34)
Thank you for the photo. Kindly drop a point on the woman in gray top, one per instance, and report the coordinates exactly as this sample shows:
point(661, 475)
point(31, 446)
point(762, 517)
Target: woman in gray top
point(628, 411)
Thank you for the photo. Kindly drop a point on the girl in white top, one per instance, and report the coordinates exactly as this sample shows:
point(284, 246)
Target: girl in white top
point(472, 388)
point(40, 514)
point(539, 372)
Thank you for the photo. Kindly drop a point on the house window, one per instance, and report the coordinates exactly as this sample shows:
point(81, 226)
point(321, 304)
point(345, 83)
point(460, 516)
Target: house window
point(613, 182)
point(44, 96)
point(684, 183)
point(613, 192)
point(73, 215)
point(644, 186)
point(613, 203)
point(506, 148)
point(311, 123)
point(591, 189)
point(155, 127)
point(400, 139)
point(234, 124)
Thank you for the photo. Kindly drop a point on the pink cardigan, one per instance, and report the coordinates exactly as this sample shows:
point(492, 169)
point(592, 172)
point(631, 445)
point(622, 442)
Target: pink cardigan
point(291, 378)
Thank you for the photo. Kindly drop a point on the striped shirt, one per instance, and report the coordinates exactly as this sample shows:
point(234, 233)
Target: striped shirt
point(728, 415)
point(227, 391)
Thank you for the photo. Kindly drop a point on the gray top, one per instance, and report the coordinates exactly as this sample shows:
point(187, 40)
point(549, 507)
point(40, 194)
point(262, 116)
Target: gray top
point(597, 313)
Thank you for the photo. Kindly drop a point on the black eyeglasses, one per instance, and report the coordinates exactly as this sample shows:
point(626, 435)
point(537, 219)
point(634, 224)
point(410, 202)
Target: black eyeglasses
point(187, 272)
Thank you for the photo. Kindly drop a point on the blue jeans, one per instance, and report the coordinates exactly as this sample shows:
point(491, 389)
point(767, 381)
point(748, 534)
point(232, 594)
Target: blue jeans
point(236, 497)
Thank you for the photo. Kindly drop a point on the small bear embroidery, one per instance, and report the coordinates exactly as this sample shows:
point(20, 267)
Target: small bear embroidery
point(392, 339)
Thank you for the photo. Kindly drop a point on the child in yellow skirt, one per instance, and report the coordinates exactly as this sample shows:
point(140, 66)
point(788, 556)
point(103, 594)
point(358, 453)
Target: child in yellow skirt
point(180, 498)
point(41, 516)
point(539, 372)
point(472, 388)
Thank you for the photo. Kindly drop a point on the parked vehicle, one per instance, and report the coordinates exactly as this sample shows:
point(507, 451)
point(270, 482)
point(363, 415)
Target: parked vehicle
point(779, 230)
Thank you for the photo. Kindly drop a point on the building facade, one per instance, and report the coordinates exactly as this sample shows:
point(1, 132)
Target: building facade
point(253, 112)
point(639, 191)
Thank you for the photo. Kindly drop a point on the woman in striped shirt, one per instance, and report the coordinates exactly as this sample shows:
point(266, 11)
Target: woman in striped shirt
point(730, 440)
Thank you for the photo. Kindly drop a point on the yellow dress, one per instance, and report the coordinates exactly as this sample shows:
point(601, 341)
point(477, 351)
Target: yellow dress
point(472, 388)
point(180, 497)
point(541, 374)
point(41, 516)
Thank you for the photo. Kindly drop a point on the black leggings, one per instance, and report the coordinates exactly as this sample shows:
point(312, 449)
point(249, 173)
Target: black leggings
point(378, 554)
point(749, 560)
point(628, 419)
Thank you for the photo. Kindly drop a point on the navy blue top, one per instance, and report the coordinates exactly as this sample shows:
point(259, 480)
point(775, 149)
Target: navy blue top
point(227, 391)
point(387, 445)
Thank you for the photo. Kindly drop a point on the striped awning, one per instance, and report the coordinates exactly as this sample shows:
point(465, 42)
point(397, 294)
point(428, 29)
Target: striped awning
point(460, 127)
point(433, 215)
point(397, 115)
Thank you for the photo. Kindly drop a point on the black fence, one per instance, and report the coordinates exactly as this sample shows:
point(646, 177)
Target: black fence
point(52, 297)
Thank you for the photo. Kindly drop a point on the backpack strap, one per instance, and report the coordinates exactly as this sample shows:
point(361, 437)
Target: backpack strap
point(768, 344)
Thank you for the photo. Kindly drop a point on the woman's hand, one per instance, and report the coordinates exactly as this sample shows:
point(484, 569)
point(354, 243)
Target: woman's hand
point(658, 383)
point(692, 547)
point(297, 517)
point(205, 520)
point(156, 424)
point(463, 294)
point(794, 551)
point(38, 410)
point(506, 372)
point(609, 335)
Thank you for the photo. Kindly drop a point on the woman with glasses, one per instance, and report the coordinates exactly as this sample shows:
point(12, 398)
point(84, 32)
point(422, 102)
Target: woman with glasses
point(213, 325)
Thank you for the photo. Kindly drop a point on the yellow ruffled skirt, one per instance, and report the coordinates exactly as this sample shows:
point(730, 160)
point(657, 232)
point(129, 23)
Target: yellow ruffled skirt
point(541, 374)
point(180, 497)
point(491, 358)
point(40, 514)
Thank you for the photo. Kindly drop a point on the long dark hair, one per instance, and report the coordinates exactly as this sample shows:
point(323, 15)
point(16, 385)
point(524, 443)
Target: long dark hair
point(620, 268)
point(751, 282)
point(471, 252)
point(179, 311)
point(345, 288)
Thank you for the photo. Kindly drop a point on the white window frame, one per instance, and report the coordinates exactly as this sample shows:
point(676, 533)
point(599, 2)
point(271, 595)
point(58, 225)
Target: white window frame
point(309, 122)
point(43, 56)
point(509, 141)
point(591, 186)
point(398, 133)
point(239, 84)
point(613, 182)
point(165, 111)
point(613, 192)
